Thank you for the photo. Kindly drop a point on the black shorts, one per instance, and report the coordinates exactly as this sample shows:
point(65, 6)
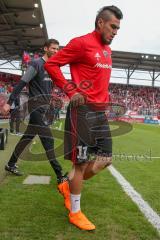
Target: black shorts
point(87, 133)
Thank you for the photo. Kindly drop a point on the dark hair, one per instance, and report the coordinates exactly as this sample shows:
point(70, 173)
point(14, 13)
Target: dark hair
point(102, 13)
point(50, 41)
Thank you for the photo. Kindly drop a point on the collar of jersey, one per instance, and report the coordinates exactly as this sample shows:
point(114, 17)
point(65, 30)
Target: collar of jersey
point(98, 37)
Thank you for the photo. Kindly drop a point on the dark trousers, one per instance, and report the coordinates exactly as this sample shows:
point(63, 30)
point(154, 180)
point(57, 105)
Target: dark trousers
point(14, 120)
point(35, 127)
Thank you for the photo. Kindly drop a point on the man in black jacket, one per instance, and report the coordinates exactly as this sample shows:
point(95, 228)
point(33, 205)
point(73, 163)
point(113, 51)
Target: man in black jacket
point(40, 87)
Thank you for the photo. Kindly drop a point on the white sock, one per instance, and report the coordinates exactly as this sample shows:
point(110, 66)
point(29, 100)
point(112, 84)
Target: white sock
point(75, 202)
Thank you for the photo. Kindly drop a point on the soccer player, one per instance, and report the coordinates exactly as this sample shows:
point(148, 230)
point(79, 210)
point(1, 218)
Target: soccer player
point(40, 88)
point(86, 128)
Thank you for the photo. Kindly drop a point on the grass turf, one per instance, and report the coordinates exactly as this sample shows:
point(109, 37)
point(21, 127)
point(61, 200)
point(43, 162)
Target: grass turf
point(37, 212)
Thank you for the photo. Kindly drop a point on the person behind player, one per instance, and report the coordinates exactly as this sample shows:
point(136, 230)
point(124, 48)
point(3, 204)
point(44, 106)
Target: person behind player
point(14, 122)
point(40, 88)
point(86, 127)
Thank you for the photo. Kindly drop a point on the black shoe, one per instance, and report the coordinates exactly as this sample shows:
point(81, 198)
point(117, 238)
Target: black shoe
point(62, 179)
point(13, 170)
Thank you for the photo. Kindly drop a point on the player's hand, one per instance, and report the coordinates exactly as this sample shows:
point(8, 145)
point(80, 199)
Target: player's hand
point(77, 99)
point(5, 109)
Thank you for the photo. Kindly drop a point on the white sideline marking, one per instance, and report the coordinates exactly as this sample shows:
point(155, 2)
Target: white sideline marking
point(149, 213)
point(60, 126)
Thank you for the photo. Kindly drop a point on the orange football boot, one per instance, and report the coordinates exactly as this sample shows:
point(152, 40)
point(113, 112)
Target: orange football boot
point(81, 221)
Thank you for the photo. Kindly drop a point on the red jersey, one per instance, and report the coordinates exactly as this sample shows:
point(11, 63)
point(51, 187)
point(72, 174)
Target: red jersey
point(90, 66)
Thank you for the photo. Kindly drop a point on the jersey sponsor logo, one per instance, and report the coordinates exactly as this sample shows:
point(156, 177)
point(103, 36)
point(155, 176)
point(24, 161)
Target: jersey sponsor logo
point(101, 65)
point(97, 56)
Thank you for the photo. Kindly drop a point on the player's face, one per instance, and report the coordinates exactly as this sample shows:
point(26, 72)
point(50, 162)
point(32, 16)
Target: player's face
point(108, 29)
point(52, 49)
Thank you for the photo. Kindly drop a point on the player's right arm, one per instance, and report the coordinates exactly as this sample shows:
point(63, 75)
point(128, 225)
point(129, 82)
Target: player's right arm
point(26, 78)
point(73, 52)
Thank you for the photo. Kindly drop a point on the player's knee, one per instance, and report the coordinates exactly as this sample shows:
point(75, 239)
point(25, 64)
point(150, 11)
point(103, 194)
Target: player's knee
point(101, 164)
point(108, 161)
